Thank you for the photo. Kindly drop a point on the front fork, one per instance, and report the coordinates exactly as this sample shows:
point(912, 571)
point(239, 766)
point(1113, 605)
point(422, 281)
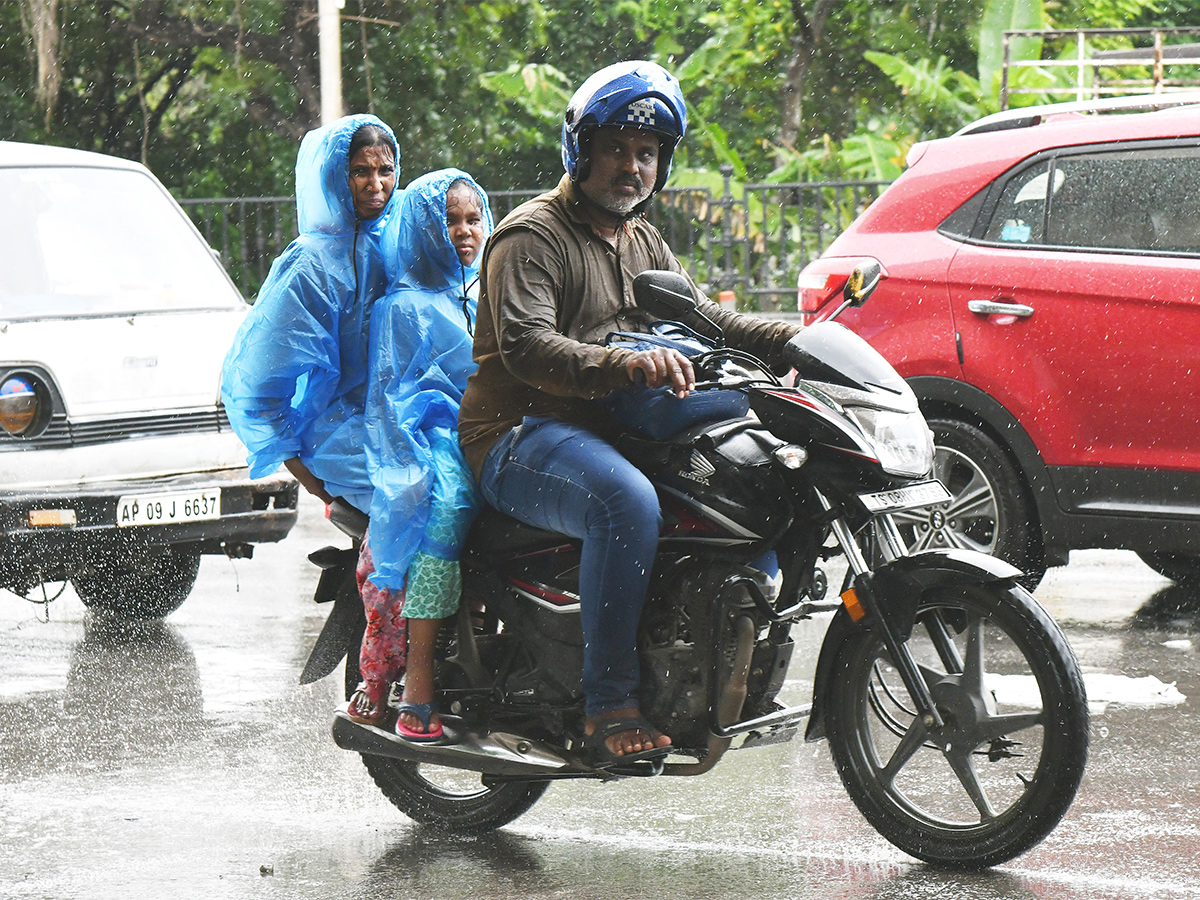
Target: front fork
point(895, 622)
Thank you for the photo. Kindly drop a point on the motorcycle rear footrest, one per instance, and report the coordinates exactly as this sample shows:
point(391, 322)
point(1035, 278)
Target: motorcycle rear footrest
point(496, 753)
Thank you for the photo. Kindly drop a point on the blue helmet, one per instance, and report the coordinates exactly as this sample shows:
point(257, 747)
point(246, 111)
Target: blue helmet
point(635, 94)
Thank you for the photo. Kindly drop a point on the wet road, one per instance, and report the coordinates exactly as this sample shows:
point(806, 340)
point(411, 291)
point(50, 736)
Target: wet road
point(182, 759)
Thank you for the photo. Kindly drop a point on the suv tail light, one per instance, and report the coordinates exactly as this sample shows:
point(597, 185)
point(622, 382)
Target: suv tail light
point(821, 282)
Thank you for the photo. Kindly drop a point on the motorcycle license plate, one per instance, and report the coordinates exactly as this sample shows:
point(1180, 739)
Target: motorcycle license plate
point(914, 496)
point(166, 509)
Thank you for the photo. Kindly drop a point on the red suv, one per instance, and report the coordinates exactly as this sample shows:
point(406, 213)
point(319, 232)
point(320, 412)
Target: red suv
point(1042, 272)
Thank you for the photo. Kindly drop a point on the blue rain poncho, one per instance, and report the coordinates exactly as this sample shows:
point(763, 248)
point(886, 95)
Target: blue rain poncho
point(295, 379)
point(425, 496)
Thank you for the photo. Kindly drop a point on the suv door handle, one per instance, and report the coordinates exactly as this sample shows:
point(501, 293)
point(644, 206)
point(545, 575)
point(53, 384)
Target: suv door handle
point(997, 307)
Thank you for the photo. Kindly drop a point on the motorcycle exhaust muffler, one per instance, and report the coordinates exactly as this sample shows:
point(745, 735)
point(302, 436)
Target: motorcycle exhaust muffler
point(730, 704)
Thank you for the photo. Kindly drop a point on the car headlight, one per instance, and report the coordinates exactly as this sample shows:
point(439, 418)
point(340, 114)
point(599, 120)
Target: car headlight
point(18, 405)
point(901, 440)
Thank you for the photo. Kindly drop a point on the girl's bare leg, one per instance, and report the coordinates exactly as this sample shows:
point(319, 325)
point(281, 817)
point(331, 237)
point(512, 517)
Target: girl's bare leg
point(418, 678)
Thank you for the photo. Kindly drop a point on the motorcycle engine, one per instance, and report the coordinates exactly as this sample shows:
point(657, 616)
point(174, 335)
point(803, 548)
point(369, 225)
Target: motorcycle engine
point(687, 634)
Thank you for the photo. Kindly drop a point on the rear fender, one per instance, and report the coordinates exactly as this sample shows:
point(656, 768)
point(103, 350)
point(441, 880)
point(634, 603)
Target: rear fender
point(346, 620)
point(898, 587)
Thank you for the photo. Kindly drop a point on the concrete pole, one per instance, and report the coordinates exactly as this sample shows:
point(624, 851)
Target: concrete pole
point(329, 45)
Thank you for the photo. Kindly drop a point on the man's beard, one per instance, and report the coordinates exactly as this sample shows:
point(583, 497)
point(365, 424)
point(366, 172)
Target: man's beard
point(618, 202)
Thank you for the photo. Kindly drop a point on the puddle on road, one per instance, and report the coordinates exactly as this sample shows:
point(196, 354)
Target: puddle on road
point(1103, 689)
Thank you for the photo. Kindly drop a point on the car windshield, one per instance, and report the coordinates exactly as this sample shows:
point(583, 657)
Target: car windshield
point(96, 242)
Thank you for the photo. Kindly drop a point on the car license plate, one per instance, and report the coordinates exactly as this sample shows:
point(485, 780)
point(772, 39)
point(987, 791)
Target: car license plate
point(927, 493)
point(165, 509)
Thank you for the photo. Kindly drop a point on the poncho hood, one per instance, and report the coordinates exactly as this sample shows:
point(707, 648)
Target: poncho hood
point(423, 242)
point(295, 379)
point(323, 201)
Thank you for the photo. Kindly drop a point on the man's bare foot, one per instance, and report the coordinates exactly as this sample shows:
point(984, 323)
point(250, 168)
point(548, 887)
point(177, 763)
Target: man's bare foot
point(636, 740)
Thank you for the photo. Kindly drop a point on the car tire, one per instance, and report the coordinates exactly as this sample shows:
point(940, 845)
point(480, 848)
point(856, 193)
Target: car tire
point(992, 510)
point(149, 587)
point(1182, 568)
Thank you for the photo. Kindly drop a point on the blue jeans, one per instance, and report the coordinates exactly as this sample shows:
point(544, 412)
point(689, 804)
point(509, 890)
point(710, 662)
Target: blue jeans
point(563, 478)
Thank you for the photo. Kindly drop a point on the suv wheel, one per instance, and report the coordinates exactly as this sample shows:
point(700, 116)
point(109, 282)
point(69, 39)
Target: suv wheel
point(990, 511)
point(1183, 568)
point(149, 587)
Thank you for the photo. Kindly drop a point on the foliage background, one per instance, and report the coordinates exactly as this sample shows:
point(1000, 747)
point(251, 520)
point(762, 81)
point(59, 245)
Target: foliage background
point(214, 94)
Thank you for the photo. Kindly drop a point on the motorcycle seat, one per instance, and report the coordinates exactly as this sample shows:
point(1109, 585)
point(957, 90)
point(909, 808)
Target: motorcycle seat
point(497, 534)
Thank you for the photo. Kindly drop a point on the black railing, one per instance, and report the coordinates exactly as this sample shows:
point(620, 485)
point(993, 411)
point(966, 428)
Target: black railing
point(753, 242)
point(247, 232)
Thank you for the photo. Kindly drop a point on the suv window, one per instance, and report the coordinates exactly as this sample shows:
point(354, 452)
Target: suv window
point(1020, 216)
point(1121, 200)
point(84, 241)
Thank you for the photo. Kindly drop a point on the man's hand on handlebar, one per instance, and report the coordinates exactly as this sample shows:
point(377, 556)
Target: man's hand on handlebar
point(662, 366)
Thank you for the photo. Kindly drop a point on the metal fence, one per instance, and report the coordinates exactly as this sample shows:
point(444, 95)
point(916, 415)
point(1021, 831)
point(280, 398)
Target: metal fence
point(1156, 61)
point(752, 240)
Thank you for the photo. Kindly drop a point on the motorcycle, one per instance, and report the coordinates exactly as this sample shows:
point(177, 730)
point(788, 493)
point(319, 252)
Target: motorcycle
point(953, 706)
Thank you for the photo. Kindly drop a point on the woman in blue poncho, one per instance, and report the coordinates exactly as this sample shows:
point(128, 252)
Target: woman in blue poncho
point(295, 380)
point(425, 496)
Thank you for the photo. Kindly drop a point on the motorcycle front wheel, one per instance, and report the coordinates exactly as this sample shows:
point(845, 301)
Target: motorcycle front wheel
point(1004, 768)
point(448, 800)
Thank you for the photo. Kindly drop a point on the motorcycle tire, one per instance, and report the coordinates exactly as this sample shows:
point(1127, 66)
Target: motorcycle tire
point(1005, 768)
point(444, 799)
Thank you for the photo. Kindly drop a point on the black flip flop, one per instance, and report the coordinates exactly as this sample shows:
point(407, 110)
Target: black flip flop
point(600, 756)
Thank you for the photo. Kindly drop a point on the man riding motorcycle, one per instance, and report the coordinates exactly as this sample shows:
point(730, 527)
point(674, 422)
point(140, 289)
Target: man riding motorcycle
point(556, 280)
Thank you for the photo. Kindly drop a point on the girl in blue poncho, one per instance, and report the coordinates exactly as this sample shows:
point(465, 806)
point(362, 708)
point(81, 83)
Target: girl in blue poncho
point(295, 380)
point(425, 496)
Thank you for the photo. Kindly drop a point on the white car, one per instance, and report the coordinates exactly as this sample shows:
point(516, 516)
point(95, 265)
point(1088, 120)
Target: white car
point(118, 468)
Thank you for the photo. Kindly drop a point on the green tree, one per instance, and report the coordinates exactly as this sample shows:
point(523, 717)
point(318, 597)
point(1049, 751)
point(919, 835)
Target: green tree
point(215, 94)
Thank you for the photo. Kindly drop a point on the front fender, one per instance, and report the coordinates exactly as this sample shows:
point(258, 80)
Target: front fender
point(898, 587)
point(929, 568)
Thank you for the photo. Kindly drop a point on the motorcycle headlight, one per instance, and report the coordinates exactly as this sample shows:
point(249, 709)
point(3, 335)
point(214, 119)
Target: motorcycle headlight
point(901, 440)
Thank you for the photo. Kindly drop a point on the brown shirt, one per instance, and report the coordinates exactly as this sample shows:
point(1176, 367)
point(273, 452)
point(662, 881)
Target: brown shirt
point(551, 290)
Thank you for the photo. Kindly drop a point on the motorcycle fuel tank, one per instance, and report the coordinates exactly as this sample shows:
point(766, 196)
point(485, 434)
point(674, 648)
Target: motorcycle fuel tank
point(723, 489)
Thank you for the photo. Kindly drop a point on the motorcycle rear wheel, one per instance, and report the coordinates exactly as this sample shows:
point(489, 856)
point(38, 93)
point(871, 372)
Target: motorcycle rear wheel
point(451, 800)
point(441, 798)
point(1004, 770)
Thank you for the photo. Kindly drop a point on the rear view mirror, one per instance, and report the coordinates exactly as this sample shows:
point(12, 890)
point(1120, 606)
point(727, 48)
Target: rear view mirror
point(668, 295)
point(862, 281)
point(664, 294)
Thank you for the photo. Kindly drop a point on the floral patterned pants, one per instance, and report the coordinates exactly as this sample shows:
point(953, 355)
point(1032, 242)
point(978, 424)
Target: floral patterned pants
point(432, 591)
point(385, 642)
